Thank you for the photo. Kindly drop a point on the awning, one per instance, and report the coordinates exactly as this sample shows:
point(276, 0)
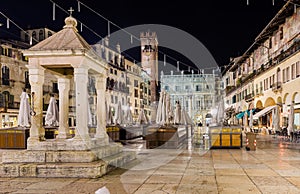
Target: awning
point(263, 112)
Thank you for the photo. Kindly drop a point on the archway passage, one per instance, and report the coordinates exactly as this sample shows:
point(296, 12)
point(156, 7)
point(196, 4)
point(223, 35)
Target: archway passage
point(269, 102)
point(259, 105)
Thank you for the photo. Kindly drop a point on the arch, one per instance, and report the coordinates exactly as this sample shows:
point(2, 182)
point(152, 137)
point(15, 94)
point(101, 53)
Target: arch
point(269, 102)
point(296, 97)
point(259, 104)
point(285, 97)
point(279, 100)
point(33, 35)
point(41, 35)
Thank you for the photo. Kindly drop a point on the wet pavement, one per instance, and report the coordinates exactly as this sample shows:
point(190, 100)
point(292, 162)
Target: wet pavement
point(273, 168)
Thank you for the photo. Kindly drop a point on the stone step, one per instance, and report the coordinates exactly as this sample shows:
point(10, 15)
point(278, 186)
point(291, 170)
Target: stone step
point(68, 170)
point(75, 156)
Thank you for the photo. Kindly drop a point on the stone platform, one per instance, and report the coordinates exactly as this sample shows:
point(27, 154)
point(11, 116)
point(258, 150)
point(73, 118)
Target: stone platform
point(92, 163)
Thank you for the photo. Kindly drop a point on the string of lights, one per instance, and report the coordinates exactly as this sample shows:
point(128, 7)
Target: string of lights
point(84, 25)
point(8, 21)
point(189, 67)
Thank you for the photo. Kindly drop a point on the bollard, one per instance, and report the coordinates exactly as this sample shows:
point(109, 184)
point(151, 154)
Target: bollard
point(250, 141)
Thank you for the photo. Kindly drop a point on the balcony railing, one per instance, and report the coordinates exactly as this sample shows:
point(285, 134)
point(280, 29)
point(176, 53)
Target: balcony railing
point(277, 86)
point(282, 55)
point(249, 97)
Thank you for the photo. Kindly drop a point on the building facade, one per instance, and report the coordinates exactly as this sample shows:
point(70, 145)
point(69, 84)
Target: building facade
point(267, 75)
point(198, 94)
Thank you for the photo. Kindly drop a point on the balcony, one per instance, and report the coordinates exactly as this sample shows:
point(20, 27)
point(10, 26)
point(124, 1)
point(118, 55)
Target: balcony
point(249, 97)
point(277, 87)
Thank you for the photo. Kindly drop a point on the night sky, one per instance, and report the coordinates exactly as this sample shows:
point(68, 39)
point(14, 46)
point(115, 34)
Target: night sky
point(226, 28)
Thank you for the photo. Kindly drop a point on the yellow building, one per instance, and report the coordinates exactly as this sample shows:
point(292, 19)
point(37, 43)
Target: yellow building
point(268, 73)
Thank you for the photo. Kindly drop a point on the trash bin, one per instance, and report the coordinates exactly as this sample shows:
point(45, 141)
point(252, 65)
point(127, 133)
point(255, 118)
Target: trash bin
point(250, 141)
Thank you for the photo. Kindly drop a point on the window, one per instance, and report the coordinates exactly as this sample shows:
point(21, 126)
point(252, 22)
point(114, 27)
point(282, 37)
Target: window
point(136, 93)
point(177, 88)
point(116, 99)
point(288, 74)
point(281, 33)
point(136, 83)
point(41, 35)
point(198, 88)
point(33, 35)
point(116, 72)
point(5, 76)
point(293, 71)
point(166, 88)
point(187, 88)
point(135, 103)
point(27, 84)
point(283, 76)
point(49, 33)
point(111, 71)
point(298, 69)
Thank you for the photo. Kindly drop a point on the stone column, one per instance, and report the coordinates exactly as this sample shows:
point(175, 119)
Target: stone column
point(64, 88)
point(81, 80)
point(190, 106)
point(36, 79)
point(101, 109)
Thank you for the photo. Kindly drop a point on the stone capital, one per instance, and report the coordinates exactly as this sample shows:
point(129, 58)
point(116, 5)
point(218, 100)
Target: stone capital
point(100, 81)
point(63, 84)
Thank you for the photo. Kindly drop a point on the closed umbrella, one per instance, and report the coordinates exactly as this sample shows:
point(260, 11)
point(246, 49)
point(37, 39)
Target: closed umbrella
point(142, 119)
point(183, 119)
point(108, 114)
point(119, 119)
point(220, 113)
point(51, 118)
point(177, 113)
point(275, 119)
point(160, 108)
point(245, 121)
point(128, 116)
point(90, 119)
point(251, 119)
point(24, 111)
point(291, 119)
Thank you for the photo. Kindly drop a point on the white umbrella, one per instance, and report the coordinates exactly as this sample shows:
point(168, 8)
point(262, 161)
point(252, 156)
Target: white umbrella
point(160, 108)
point(183, 117)
point(51, 118)
point(251, 119)
point(245, 121)
point(177, 113)
point(128, 116)
point(168, 108)
point(291, 119)
point(119, 119)
point(90, 120)
point(220, 113)
point(142, 119)
point(24, 111)
point(108, 114)
point(275, 119)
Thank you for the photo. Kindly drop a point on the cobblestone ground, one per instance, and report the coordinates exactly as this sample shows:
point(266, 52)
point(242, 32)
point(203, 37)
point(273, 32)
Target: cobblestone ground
point(273, 168)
